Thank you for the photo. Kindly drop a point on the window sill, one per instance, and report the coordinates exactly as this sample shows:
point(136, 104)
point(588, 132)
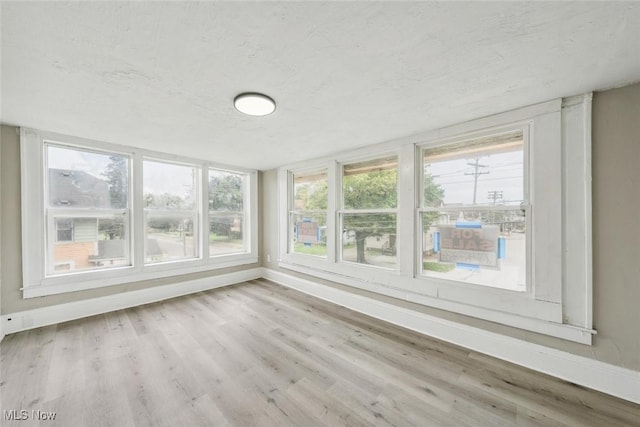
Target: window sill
point(98, 279)
point(404, 289)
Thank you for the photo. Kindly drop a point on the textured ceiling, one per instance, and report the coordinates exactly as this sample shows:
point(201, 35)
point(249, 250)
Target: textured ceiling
point(163, 75)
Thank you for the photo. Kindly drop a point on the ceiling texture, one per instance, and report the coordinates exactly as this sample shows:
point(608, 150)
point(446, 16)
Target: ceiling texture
point(163, 76)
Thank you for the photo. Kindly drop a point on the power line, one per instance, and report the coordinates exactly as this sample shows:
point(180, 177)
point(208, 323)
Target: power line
point(475, 174)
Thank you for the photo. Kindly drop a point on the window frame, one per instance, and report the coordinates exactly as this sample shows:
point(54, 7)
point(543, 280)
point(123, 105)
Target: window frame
point(292, 211)
point(526, 128)
point(194, 213)
point(37, 283)
point(342, 210)
point(247, 225)
point(57, 231)
point(558, 298)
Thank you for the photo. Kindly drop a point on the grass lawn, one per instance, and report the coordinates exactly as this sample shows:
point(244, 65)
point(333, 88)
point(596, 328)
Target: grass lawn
point(437, 266)
point(215, 238)
point(311, 250)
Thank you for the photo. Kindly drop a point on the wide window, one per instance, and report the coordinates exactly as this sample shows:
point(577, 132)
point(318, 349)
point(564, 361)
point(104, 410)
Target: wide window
point(87, 210)
point(489, 218)
point(100, 214)
point(308, 216)
point(171, 211)
point(474, 211)
point(368, 215)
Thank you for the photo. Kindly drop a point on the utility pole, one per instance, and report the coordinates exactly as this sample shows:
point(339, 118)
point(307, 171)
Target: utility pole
point(494, 195)
point(475, 174)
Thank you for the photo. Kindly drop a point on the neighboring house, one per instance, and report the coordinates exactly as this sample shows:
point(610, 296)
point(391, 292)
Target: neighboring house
point(76, 239)
point(385, 244)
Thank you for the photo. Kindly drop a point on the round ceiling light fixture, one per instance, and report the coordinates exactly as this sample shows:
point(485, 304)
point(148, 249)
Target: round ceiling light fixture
point(254, 104)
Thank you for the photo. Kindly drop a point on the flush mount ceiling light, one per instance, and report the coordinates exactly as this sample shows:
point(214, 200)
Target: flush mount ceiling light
point(254, 104)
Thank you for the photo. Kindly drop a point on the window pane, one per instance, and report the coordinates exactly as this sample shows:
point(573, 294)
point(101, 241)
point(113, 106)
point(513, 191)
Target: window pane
point(370, 239)
point(87, 244)
point(169, 186)
point(485, 171)
point(225, 233)
point(483, 247)
point(309, 233)
point(84, 179)
point(371, 184)
point(226, 212)
point(64, 229)
point(170, 238)
point(310, 191)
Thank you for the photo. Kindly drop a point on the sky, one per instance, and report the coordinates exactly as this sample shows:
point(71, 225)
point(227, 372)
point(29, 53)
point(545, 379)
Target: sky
point(158, 177)
point(505, 173)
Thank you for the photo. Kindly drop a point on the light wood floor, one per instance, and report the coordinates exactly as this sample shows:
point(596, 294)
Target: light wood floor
point(258, 354)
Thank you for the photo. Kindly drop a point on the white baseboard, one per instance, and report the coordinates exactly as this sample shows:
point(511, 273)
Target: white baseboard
point(29, 319)
point(604, 377)
point(614, 380)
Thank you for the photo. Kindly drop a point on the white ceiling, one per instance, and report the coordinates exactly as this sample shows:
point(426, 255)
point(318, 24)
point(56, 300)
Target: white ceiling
point(163, 75)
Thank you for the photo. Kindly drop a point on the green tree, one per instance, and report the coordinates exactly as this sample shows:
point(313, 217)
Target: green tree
point(226, 199)
point(117, 177)
point(373, 190)
point(433, 195)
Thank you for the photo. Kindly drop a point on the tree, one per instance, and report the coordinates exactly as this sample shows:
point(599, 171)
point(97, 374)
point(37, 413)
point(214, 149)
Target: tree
point(373, 190)
point(226, 198)
point(433, 195)
point(117, 176)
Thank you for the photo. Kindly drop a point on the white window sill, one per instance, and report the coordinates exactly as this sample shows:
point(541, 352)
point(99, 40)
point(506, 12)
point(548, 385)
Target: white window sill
point(118, 276)
point(405, 289)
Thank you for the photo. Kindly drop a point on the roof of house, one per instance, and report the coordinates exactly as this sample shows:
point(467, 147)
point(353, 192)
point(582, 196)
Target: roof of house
point(73, 188)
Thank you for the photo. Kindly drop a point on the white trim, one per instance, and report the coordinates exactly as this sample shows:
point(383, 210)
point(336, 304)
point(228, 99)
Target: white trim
point(518, 319)
point(30, 319)
point(102, 278)
point(614, 380)
point(1, 328)
point(557, 300)
point(37, 283)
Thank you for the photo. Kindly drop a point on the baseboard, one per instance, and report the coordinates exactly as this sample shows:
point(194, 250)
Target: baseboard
point(604, 377)
point(614, 380)
point(29, 319)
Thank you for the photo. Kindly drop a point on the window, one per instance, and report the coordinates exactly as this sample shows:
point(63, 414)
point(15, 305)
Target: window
point(474, 211)
point(227, 219)
point(308, 216)
point(87, 209)
point(368, 215)
point(101, 214)
point(489, 218)
point(171, 211)
point(64, 230)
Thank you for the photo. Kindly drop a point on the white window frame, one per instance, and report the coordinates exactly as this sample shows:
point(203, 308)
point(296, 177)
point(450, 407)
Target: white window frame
point(57, 236)
point(342, 210)
point(540, 238)
point(558, 297)
point(291, 212)
point(247, 182)
point(195, 214)
point(37, 283)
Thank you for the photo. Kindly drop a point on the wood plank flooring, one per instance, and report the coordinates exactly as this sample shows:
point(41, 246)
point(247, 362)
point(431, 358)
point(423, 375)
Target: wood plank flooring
point(259, 354)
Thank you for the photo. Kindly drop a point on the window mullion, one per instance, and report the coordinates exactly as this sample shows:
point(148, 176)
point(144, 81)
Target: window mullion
point(205, 221)
point(333, 184)
point(138, 217)
point(405, 219)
